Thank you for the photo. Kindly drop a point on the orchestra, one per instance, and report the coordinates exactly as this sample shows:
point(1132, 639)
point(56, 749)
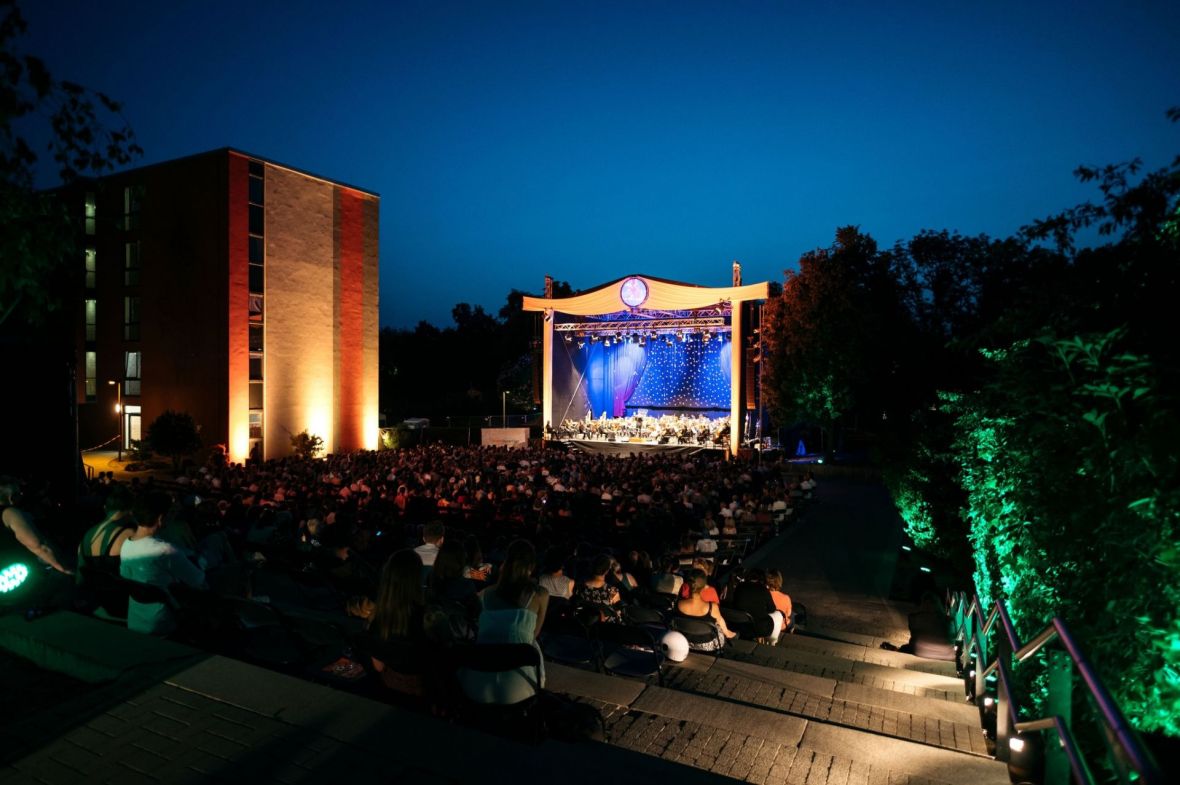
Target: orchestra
point(680, 428)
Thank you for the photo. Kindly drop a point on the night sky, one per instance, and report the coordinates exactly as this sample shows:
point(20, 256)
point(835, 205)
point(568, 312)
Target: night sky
point(590, 140)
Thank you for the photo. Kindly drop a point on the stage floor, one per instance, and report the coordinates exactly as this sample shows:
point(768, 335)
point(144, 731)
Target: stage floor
point(626, 447)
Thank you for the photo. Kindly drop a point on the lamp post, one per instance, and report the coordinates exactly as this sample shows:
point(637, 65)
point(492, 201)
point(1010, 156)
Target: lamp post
point(504, 409)
point(119, 412)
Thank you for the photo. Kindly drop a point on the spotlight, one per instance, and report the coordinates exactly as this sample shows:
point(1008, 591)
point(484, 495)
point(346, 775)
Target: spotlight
point(606, 342)
point(12, 576)
point(569, 338)
point(642, 341)
point(581, 344)
point(705, 337)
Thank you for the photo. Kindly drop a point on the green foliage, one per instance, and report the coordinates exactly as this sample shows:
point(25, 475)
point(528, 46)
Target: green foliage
point(1039, 425)
point(173, 435)
point(834, 332)
point(1072, 479)
point(394, 438)
point(306, 445)
point(86, 136)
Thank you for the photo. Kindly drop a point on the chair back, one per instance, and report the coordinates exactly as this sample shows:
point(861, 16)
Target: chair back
point(701, 634)
point(739, 621)
point(637, 614)
point(629, 651)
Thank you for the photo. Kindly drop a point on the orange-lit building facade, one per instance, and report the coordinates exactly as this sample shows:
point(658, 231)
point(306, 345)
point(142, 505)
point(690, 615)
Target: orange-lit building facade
point(236, 289)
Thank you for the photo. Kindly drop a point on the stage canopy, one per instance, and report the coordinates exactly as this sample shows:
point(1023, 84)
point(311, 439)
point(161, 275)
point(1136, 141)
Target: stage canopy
point(647, 346)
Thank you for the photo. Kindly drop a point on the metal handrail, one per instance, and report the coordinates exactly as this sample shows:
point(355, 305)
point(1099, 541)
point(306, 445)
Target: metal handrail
point(1132, 760)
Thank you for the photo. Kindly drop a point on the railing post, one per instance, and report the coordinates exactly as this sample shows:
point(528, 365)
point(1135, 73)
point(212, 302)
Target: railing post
point(1057, 769)
point(1003, 710)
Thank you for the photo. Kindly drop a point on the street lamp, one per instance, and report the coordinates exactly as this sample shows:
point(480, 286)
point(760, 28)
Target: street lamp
point(119, 412)
point(504, 409)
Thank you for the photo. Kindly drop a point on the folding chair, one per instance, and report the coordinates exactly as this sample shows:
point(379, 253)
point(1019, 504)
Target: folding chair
point(629, 651)
point(739, 621)
point(702, 635)
point(567, 640)
point(499, 686)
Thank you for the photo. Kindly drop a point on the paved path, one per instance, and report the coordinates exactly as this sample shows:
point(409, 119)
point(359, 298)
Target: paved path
point(840, 558)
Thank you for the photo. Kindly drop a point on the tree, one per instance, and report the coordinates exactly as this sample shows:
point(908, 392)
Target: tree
point(39, 231)
point(306, 445)
point(835, 334)
point(173, 435)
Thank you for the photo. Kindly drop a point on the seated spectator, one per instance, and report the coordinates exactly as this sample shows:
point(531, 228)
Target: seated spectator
point(433, 535)
point(752, 596)
point(21, 525)
point(709, 594)
point(668, 580)
point(706, 544)
point(100, 546)
point(595, 590)
point(553, 578)
point(624, 582)
point(147, 559)
point(782, 602)
point(452, 601)
point(399, 652)
point(639, 567)
point(513, 612)
point(696, 607)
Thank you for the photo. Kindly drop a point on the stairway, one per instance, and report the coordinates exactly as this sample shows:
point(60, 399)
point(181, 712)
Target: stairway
point(810, 710)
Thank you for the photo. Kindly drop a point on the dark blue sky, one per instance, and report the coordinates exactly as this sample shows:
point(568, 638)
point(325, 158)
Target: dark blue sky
point(589, 140)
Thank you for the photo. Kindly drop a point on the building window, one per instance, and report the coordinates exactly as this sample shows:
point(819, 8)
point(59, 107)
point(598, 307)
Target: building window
point(256, 369)
point(256, 344)
point(256, 190)
point(131, 318)
point(91, 375)
point(131, 264)
point(92, 320)
point(256, 278)
point(91, 212)
point(256, 221)
point(255, 301)
point(255, 425)
point(256, 250)
point(256, 397)
point(131, 372)
point(91, 268)
point(132, 202)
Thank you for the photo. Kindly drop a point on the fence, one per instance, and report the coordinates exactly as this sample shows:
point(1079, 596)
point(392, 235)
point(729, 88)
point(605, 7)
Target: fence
point(1027, 744)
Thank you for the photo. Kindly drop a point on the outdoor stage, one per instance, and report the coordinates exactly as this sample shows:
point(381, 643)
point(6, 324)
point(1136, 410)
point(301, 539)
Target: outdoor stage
point(640, 447)
point(677, 360)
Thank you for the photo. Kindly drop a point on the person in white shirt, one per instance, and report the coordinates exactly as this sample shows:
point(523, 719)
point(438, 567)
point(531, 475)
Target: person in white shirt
point(433, 535)
point(145, 558)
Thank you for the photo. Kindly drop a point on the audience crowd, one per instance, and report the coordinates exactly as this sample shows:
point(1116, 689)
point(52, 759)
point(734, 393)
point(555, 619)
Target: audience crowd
point(410, 551)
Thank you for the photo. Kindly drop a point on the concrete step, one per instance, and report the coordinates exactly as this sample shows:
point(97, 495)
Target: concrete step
point(801, 660)
point(754, 744)
point(923, 720)
point(863, 653)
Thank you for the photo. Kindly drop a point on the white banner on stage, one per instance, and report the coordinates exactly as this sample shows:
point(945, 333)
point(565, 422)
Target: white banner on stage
point(505, 437)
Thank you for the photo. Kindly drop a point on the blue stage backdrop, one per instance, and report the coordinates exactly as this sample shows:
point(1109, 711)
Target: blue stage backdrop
point(624, 377)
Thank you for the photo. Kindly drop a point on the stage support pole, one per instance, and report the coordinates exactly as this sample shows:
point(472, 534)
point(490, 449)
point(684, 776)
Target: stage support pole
point(737, 368)
point(547, 377)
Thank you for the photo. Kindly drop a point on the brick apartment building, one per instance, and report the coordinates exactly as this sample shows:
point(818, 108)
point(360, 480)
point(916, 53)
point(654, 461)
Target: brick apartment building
point(236, 289)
